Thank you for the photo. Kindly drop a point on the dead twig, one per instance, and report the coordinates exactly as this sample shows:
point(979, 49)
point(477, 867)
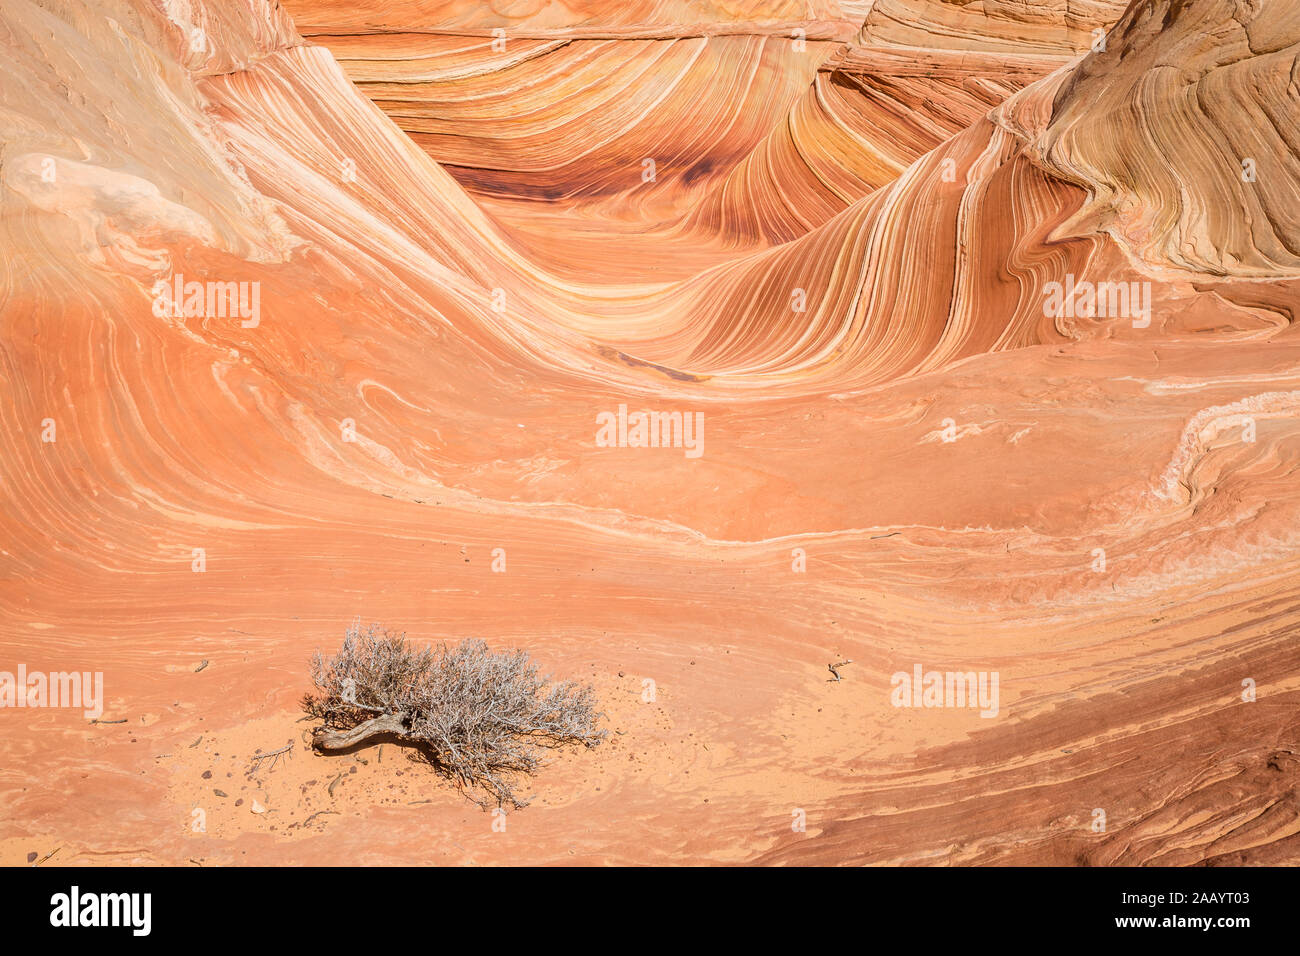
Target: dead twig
point(834, 669)
point(274, 756)
point(47, 856)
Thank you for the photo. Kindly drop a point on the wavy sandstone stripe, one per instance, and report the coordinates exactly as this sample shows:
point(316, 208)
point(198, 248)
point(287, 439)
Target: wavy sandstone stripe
point(917, 74)
point(868, 115)
point(1014, 27)
point(531, 18)
point(1206, 182)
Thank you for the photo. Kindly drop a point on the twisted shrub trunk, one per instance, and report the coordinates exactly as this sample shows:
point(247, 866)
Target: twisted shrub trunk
point(387, 726)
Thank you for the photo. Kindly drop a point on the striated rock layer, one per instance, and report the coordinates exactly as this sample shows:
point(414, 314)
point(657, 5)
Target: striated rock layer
point(988, 309)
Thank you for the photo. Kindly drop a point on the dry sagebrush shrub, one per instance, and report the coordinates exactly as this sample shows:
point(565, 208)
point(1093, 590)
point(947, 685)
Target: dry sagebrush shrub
point(479, 716)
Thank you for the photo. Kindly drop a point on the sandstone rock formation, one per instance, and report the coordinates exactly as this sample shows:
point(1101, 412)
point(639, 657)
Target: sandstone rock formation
point(988, 307)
